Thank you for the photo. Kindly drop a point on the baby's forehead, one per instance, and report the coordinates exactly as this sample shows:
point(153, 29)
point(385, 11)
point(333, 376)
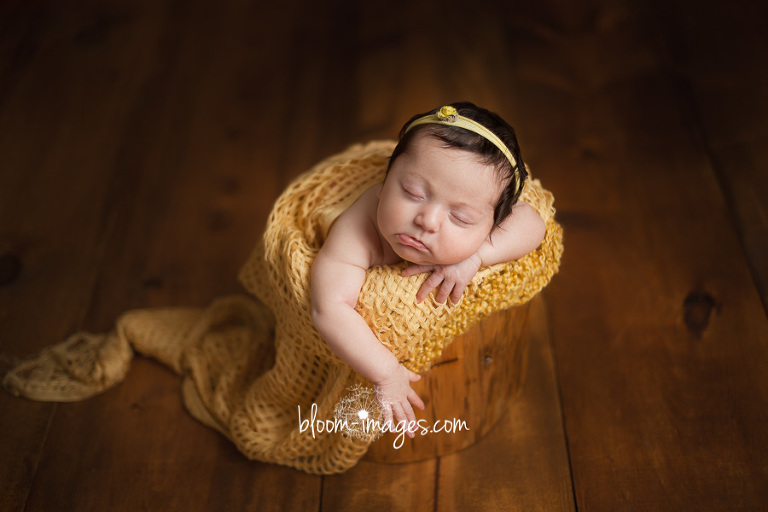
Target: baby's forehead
point(431, 142)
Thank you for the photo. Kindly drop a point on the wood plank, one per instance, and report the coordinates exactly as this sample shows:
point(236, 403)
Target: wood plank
point(193, 182)
point(469, 386)
point(137, 448)
point(659, 335)
point(725, 88)
point(522, 464)
point(52, 193)
point(377, 486)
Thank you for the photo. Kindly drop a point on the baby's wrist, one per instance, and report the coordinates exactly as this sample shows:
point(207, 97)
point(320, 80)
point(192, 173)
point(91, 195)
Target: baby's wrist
point(385, 373)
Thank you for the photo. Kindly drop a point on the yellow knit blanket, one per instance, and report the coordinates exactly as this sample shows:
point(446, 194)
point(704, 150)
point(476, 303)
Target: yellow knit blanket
point(247, 368)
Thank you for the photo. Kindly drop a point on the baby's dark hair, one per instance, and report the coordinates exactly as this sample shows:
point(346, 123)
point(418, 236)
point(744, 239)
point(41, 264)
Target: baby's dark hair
point(460, 138)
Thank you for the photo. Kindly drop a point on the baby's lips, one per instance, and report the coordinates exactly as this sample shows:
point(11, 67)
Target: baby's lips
point(412, 242)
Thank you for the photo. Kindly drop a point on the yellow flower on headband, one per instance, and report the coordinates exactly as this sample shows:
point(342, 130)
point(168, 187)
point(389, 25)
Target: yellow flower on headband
point(447, 113)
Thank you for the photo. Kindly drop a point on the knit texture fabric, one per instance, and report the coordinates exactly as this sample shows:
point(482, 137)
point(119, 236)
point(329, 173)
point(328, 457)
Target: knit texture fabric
point(248, 364)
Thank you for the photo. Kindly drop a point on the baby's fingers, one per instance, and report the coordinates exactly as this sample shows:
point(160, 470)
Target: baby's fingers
point(430, 284)
point(458, 291)
point(415, 400)
point(415, 269)
point(408, 419)
point(403, 414)
point(444, 291)
point(386, 412)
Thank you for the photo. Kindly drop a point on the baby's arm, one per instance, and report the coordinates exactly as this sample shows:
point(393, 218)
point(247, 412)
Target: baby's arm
point(338, 274)
point(520, 233)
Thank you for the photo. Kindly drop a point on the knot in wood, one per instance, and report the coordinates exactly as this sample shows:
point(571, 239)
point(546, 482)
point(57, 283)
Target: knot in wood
point(697, 309)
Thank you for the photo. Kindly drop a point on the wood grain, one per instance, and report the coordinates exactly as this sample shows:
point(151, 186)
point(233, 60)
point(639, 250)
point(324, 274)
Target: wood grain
point(379, 486)
point(662, 412)
point(717, 77)
point(170, 207)
point(143, 143)
point(522, 464)
point(53, 189)
point(466, 391)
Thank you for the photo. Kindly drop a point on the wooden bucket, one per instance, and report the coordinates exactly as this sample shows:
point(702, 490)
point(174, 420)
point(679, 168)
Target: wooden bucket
point(472, 382)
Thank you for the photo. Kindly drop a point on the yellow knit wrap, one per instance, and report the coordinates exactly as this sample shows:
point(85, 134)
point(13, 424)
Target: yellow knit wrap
point(247, 368)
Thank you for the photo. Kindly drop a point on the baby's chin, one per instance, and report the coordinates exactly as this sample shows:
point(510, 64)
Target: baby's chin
point(415, 261)
point(428, 261)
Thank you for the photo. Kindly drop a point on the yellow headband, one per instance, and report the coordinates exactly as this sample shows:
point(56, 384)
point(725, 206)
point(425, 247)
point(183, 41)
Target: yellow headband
point(448, 115)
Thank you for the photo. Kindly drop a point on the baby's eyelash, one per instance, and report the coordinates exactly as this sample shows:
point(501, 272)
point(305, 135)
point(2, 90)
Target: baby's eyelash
point(461, 220)
point(413, 193)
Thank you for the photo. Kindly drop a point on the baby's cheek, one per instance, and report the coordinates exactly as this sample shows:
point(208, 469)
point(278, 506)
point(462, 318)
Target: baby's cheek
point(471, 242)
point(391, 213)
point(459, 248)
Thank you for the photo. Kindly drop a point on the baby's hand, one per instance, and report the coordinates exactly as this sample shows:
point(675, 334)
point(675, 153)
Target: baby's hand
point(395, 397)
point(454, 278)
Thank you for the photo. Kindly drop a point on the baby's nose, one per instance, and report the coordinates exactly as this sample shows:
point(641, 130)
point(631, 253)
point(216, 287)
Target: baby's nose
point(428, 219)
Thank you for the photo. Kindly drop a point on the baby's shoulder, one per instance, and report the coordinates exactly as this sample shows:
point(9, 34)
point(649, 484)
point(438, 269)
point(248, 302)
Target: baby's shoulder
point(362, 211)
point(368, 201)
point(355, 232)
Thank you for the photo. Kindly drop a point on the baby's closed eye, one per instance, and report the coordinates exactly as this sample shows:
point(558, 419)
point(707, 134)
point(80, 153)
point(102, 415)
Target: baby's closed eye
point(413, 192)
point(462, 219)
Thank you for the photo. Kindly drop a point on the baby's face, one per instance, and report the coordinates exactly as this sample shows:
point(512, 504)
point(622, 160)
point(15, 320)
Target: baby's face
point(436, 205)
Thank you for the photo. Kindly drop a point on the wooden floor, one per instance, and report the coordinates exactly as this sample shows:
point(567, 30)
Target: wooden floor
point(142, 144)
